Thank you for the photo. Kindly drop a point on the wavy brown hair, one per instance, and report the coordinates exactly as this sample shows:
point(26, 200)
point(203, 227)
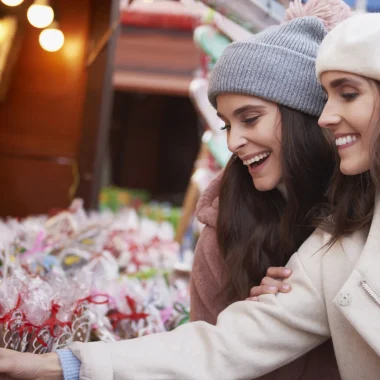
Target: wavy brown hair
point(352, 198)
point(255, 229)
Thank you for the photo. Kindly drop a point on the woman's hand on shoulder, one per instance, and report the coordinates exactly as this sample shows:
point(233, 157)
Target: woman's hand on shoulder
point(272, 283)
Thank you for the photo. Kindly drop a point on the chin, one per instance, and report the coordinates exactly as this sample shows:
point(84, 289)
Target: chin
point(353, 169)
point(263, 184)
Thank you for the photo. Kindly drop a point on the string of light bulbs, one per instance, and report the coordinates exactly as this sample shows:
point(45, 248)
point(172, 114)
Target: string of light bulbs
point(41, 15)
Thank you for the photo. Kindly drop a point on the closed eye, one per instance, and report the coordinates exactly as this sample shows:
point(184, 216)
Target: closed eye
point(251, 120)
point(350, 96)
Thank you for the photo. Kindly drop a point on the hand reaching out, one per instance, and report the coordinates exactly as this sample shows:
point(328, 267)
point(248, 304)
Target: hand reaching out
point(24, 366)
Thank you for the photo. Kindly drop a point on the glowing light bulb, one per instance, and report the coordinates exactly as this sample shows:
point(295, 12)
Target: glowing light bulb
point(40, 14)
point(51, 39)
point(12, 3)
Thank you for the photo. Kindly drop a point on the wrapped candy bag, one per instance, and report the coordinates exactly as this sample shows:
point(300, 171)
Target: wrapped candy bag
point(77, 276)
point(43, 314)
point(12, 320)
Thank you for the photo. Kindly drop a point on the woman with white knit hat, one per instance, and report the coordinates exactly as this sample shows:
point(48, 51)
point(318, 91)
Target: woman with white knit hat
point(336, 286)
point(348, 67)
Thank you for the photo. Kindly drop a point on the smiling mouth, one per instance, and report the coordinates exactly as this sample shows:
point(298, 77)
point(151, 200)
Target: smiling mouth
point(341, 141)
point(257, 160)
point(258, 163)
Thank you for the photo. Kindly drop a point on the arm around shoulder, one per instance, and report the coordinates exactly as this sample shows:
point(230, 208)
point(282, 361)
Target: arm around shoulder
point(249, 340)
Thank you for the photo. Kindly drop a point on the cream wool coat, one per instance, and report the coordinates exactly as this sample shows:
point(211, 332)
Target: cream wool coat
point(335, 293)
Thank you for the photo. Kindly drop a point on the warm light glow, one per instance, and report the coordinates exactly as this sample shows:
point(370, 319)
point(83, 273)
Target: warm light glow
point(3, 32)
point(12, 3)
point(51, 39)
point(40, 15)
point(73, 50)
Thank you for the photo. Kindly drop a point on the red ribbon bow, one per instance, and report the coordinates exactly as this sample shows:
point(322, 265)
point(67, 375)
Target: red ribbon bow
point(116, 316)
point(8, 316)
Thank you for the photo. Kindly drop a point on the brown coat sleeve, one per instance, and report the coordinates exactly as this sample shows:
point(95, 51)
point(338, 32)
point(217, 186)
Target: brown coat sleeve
point(206, 279)
point(206, 304)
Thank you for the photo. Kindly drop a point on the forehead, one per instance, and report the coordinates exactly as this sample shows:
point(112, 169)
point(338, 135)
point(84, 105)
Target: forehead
point(333, 79)
point(228, 103)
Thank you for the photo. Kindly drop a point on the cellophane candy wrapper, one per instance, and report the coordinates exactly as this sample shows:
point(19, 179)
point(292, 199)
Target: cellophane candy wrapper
point(42, 314)
point(75, 276)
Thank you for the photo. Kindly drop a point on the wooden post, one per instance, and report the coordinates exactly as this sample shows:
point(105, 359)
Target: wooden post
point(191, 198)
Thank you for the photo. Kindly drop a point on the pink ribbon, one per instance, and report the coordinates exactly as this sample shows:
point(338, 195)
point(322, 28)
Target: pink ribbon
point(38, 245)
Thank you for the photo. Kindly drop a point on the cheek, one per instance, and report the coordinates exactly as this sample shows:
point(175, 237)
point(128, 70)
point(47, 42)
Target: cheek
point(361, 122)
point(361, 117)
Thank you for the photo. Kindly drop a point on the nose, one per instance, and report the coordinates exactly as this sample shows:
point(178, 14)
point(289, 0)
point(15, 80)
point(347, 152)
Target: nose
point(235, 140)
point(330, 117)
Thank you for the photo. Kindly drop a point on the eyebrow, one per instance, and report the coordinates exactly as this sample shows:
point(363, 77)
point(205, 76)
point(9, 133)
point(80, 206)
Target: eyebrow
point(338, 82)
point(242, 109)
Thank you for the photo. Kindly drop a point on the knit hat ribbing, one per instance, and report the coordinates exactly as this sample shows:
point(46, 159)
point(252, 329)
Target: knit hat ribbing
point(277, 64)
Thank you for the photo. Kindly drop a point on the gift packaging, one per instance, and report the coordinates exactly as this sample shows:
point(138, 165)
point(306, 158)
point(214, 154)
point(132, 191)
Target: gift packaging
point(80, 277)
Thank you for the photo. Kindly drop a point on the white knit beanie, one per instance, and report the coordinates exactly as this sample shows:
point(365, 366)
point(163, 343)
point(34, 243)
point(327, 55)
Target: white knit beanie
point(353, 46)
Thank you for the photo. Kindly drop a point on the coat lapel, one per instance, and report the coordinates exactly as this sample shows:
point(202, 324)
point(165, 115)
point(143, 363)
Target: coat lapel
point(369, 262)
point(357, 299)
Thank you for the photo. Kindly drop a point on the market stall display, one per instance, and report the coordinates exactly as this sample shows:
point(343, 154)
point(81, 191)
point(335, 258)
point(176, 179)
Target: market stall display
point(79, 277)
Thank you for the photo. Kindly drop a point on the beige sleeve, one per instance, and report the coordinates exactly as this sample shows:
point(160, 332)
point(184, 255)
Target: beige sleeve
point(249, 340)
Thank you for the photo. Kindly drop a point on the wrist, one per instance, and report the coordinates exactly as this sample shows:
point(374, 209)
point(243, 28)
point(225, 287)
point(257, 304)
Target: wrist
point(52, 367)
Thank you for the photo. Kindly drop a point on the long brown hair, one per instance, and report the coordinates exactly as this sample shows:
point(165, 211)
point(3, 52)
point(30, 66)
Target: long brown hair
point(256, 229)
point(352, 198)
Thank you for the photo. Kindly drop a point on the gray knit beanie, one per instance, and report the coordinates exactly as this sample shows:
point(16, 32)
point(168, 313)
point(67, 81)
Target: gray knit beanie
point(277, 64)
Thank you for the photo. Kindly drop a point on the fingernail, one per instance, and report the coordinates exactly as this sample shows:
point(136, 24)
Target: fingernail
point(285, 286)
point(287, 271)
point(273, 288)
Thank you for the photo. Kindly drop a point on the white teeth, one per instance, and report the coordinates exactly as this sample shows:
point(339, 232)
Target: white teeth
point(345, 140)
point(256, 158)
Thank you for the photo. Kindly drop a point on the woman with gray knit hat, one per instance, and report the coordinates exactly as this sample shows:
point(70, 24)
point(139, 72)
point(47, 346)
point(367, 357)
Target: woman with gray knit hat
point(335, 277)
point(259, 212)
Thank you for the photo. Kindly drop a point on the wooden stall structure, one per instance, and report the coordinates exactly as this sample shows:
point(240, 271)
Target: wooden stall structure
point(55, 111)
point(154, 135)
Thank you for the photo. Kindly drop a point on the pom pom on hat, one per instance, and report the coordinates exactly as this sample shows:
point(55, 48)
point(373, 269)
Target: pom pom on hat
point(330, 12)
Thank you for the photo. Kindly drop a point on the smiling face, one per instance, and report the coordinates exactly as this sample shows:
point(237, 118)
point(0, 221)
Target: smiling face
point(351, 114)
point(254, 135)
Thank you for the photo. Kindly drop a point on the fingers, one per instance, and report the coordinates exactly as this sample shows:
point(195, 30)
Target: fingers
point(279, 273)
point(256, 299)
point(263, 289)
point(269, 286)
point(272, 284)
